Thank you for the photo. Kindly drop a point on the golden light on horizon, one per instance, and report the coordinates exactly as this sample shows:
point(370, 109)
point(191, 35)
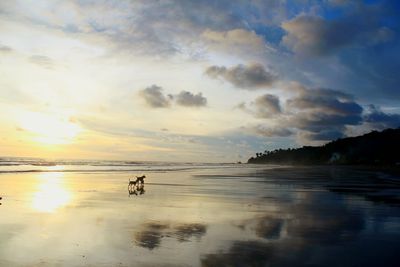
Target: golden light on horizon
point(49, 129)
point(51, 194)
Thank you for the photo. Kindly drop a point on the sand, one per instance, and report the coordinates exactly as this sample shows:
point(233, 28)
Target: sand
point(247, 216)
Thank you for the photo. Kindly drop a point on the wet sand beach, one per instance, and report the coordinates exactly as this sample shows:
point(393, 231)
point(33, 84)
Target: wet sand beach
point(229, 216)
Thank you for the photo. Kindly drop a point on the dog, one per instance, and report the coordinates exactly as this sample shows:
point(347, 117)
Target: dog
point(140, 179)
point(132, 191)
point(132, 183)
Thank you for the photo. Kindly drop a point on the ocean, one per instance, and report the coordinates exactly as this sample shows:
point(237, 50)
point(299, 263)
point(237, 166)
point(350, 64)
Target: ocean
point(25, 164)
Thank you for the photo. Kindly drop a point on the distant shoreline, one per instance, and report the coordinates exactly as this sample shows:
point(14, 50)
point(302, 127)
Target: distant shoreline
point(380, 149)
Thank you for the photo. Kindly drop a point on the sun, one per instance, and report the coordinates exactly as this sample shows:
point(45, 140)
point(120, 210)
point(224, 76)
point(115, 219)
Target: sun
point(49, 129)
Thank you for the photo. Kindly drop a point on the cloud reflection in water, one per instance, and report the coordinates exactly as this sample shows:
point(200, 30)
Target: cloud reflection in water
point(152, 233)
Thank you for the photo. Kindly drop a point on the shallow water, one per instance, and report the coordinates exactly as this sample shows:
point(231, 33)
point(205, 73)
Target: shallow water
point(248, 216)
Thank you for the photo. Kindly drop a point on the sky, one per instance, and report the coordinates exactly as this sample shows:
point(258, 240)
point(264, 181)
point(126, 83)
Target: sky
point(193, 80)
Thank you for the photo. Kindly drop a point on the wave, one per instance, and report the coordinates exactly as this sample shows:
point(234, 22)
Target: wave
point(29, 165)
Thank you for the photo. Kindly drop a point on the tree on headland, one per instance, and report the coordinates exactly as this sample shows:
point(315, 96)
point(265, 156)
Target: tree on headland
point(374, 148)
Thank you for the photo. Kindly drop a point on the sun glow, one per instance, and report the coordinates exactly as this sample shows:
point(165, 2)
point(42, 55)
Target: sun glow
point(49, 129)
point(51, 194)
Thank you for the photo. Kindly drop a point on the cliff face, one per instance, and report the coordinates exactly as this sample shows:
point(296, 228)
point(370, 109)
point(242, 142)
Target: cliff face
point(374, 148)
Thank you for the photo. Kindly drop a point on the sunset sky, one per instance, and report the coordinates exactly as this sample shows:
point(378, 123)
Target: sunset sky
point(192, 80)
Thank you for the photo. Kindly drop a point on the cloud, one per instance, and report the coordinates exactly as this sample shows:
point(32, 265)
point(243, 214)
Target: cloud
point(160, 29)
point(272, 131)
point(189, 99)
point(249, 77)
point(42, 61)
point(317, 36)
point(325, 101)
point(380, 120)
point(323, 135)
point(267, 105)
point(239, 41)
point(316, 121)
point(323, 114)
point(338, 2)
point(155, 98)
point(5, 49)
point(314, 114)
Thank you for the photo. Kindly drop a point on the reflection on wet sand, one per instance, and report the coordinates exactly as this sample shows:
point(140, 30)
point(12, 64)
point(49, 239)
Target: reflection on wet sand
point(312, 228)
point(269, 227)
point(241, 253)
point(308, 232)
point(316, 221)
point(51, 193)
point(184, 232)
point(231, 217)
point(151, 234)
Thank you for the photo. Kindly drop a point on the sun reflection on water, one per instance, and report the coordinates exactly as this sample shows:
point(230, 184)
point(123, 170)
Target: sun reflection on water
point(51, 193)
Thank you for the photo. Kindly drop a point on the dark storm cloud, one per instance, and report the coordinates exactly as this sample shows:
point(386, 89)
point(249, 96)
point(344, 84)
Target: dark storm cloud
point(154, 97)
point(249, 77)
point(189, 99)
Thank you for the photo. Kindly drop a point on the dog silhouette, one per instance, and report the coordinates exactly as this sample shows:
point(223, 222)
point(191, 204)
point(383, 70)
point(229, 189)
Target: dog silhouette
point(140, 179)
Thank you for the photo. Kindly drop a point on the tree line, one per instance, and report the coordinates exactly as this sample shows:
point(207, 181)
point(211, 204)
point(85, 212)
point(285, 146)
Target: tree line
point(374, 148)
